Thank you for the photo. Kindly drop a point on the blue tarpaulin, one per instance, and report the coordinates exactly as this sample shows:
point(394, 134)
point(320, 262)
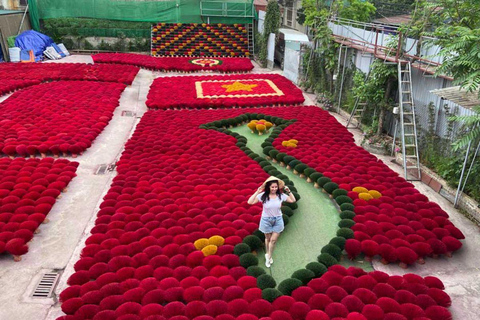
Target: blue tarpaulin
point(33, 40)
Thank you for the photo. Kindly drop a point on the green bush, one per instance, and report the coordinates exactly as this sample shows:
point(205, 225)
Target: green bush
point(293, 163)
point(287, 211)
point(240, 144)
point(346, 223)
point(264, 163)
point(347, 206)
point(259, 159)
point(309, 171)
point(280, 156)
point(248, 260)
point(300, 168)
point(241, 248)
point(323, 180)
point(273, 153)
point(268, 168)
point(287, 159)
point(274, 172)
point(339, 192)
point(291, 186)
point(266, 150)
point(253, 241)
point(275, 120)
point(292, 206)
point(266, 281)
point(347, 214)
point(255, 271)
point(297, 195)
point(303, 275)
point(288, 285)
point(224, 123)
point(339, 242)
point(315, 176)
point(332, 250)
point(327, 260)
point(330, 187)
point(270, 294)
point(317, 268)
point(259, 234)
point(345, 232)
point(343, 200)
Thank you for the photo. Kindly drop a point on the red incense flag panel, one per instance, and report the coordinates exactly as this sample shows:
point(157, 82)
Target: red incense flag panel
point(223, 91)
point(237, 88)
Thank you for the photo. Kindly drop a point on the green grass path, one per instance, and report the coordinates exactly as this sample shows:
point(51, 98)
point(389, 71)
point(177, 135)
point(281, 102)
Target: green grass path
point(312, 226)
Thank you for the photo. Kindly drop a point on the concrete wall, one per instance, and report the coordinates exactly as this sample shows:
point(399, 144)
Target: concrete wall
point(9, 24)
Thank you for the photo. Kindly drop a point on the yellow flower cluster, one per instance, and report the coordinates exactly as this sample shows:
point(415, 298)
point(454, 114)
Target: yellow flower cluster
point(292, 143)
point(209, 246)
point(365, 194)
point(259, 125)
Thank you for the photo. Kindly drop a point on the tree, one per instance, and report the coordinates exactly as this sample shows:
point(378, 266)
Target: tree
point(356, 10)
point(472, 122)
point(455, 25)
point(271, 25)
point(378, 88)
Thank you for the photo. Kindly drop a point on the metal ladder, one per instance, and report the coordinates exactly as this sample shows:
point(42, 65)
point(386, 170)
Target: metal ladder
point(408, 127)
point(251, 39)
point(358, 109)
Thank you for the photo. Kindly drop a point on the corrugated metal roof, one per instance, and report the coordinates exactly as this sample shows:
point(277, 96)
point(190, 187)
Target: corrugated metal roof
point(460, 96)
point(294, 35)
point(395, 20)
point(2, 12)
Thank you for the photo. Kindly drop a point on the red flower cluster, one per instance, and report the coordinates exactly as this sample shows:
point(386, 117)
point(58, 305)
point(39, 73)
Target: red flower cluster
point(58, 118)
point(7, 86)
point(28, 190)
point(177, 183)
point(227, 91)
point(67, 71)
point(176, 63)
point(193, 39)
point(353, 293)
point(402, 225)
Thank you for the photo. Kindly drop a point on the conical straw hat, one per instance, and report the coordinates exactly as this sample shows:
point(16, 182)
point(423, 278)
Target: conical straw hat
point(281, 184)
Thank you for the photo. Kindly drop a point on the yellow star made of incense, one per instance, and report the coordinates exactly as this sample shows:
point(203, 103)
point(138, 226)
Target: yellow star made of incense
point(238, 86)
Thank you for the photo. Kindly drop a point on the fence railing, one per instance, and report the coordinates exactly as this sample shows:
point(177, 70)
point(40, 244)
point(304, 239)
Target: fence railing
point(226, 9)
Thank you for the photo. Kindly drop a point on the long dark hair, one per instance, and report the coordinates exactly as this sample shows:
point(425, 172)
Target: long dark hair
point(266, 194)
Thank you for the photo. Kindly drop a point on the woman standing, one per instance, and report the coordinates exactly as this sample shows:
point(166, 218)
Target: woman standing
point(271, 223)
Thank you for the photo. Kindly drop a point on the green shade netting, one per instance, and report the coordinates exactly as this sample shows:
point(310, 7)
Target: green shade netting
point(176, 11)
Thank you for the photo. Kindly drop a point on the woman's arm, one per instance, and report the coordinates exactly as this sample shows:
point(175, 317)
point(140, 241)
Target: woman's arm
point(291, 197)
point(253, 198)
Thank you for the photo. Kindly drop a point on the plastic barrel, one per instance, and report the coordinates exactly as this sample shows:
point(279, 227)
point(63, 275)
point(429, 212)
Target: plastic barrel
point(14, 54)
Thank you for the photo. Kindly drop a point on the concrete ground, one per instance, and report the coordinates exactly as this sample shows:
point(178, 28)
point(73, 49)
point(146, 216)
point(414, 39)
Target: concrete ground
point(60, 241)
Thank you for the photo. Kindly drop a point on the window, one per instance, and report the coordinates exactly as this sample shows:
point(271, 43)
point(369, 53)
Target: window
point(289, 17)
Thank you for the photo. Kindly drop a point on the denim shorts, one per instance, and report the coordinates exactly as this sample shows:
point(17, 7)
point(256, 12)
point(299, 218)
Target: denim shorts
point(271, 224)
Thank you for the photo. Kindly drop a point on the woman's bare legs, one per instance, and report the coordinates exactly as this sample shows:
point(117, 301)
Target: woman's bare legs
point(267, 242)
point(271, 245)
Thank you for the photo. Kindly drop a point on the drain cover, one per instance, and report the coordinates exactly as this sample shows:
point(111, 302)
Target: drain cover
point(45, 286)
point(126, 113)
point(101, 169)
